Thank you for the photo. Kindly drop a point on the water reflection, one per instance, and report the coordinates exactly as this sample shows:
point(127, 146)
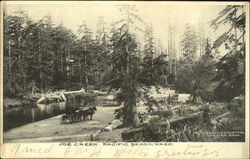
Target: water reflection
point(17, 116)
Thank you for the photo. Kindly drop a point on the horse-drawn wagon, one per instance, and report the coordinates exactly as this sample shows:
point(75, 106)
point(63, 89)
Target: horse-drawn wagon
point(78, 115)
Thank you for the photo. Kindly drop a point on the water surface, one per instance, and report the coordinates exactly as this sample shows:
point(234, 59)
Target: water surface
point(21, 115)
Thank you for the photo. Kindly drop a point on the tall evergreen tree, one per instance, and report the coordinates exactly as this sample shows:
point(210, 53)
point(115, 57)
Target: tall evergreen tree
point(231, 67)
point(126, 65)
point(149, 51)
point(87, 54)
point(204, 72)
point(44, 40)
point(17, 28)
point(63, 44)
point(189, 44)
point(102, 51)
point(186, 81)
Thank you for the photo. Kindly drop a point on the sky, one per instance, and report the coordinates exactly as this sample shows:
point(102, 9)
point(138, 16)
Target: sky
point(160, 14)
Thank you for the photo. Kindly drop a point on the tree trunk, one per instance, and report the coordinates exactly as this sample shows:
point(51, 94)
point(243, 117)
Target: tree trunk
point(130, 114)
point(85, 73)
point(61, 57)
point(130, 117)
point(9, 59)
point(80, 71)
point(86, 82)
point(39, 61)
point(174, 55)
point(101, 77)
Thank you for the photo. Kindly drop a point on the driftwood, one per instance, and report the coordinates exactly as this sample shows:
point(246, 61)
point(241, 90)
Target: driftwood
point(49, 99)
point(113, 125)
point(138, 132)
point(100, 93)
point(57, 96)
point(72, 92)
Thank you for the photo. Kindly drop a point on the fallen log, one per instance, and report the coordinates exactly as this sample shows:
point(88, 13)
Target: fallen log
point(40, 100)
point(100, 93)
point(71, 92)
point(191, 116)
point(94, 135)
point(113, 125)
point(48, 98)
point(63, 96)
point(136, 133)
point(57, 96)
point(183, 98)
point(223, 115)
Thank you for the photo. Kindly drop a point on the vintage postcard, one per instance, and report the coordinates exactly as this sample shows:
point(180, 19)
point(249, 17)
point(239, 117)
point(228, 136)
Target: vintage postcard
point(124, 79)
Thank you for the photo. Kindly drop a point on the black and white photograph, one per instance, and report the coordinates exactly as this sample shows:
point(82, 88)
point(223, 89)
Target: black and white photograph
point(124, 72)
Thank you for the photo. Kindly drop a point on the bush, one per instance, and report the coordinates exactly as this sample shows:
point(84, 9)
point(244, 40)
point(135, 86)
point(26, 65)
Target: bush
point(184, 78)
point(200, 73)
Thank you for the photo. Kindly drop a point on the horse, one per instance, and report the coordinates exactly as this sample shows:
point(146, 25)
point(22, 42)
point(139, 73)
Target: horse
point(82, 114)
point(91, 111)
point(78, 115)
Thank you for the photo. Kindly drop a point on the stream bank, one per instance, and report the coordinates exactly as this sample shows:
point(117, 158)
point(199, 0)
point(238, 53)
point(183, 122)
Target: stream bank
point(51, 130)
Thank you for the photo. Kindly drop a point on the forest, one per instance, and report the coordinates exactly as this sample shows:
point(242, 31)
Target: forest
point(40, 56)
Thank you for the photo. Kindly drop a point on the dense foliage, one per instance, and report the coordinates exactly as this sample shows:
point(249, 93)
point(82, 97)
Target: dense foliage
point(40, 56)
point(209, 77)
point(231, 67)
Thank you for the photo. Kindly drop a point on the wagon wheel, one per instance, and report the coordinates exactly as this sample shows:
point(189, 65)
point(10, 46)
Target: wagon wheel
point(78, 117)
point(62, 119)
point(71, 119)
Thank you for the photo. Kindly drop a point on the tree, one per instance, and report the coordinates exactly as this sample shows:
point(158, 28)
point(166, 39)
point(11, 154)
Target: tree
point(63, 44)
point(17, 28)
point(102, 51)
point(197, 79)
point(201, 39)
point(126, 68)
point(101, 34)
point(35, 53)
point(172, 54)
point(128, 72)
point(85, 35)
point(186, 81)
point(149, 51)
point(44, 70)
point(231, 67)
point(204, 72)
point(189, 44)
